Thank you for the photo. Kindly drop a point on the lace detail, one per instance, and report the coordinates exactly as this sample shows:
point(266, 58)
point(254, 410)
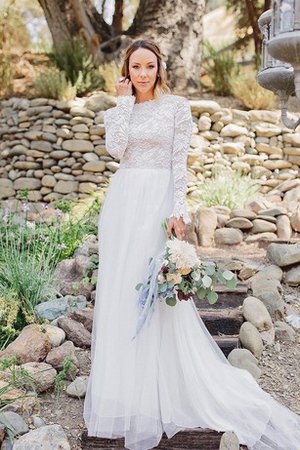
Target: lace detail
point(152, 134)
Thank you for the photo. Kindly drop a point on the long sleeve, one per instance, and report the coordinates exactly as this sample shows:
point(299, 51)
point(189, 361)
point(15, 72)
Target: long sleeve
point(182, 137)
point(116, 123)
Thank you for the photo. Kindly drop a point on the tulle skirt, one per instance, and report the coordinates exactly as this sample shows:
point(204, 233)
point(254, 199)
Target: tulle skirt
point(173, 375)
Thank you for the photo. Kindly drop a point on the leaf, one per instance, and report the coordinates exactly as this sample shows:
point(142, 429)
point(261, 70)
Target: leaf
point(228, 275)
point(201, 293)
point(138, 286)
point(171, 301)
point(210, 270)
point(206, 280)
point(231, 283)
point(212, 297)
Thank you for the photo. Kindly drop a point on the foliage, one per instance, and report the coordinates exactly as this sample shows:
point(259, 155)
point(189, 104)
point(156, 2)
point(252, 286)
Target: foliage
point(110, 73)
point(77, 64)
point(221, 68)
point(52, 83)
point(253, 96)
point(227, 188)
point(29, 253)
point(69, 368)
point(15, 378)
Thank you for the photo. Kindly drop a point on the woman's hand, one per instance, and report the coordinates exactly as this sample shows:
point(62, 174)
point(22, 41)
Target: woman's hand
point(178, 225)
point(124, 86)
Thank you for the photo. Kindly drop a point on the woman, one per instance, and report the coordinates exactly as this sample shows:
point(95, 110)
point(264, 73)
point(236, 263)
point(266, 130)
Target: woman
point(173, 375)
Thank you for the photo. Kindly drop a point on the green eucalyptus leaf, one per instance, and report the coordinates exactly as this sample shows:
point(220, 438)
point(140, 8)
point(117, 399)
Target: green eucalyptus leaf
point(171, 301)
point(228, 275)
point(212, 297)
point(201, 293)
point(206, 280)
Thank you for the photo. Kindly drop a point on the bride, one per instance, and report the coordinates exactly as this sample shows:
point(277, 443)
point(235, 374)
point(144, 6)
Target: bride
point(173, 376)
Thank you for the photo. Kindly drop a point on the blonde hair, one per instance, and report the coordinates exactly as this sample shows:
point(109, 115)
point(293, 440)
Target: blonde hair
point(160, 85)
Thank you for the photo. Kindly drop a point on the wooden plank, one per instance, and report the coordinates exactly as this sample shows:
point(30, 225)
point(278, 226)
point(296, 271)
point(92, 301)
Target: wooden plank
point(225, 321)
point(227, 343)
point(192, 439)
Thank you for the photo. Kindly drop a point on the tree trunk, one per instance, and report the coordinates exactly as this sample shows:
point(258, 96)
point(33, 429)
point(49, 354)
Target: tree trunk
point(175, 25)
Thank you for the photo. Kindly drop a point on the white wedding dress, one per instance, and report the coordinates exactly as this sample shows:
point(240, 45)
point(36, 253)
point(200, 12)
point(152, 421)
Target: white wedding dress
point(173, 375)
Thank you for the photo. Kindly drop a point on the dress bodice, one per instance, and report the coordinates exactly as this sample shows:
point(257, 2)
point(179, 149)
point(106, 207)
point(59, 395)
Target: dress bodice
point(153, 134)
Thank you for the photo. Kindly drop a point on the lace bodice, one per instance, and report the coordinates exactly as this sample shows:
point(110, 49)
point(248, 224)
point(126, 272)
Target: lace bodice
point(152, 134)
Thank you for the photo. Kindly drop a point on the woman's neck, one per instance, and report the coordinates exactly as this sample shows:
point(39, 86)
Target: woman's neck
point(141, 97)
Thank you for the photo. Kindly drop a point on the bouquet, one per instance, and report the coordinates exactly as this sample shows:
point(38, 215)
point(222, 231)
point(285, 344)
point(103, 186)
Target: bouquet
point(177, 274)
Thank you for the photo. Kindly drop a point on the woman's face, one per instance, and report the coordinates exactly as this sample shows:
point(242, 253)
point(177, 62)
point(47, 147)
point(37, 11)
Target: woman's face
point(143, 69)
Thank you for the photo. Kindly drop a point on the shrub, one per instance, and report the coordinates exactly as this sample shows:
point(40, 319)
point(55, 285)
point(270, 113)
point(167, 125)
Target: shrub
point(221, 68)
point(227, 188)
point(53, 83)
point(251, 94)
point(110, 73)
point(77, 64)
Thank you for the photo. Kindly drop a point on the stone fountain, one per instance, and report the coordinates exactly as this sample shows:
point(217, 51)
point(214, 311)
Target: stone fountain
point(280, 71)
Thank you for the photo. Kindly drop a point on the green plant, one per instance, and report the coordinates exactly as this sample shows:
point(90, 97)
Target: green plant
point(251, 94)
point(221, 68)
point(69, 368)
point(53, 83)
point(110, 73)
point(77, 64)
point(227, 188)
point(16, 377)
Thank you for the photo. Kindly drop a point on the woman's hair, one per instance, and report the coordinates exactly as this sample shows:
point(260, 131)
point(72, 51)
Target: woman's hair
point(160, 85)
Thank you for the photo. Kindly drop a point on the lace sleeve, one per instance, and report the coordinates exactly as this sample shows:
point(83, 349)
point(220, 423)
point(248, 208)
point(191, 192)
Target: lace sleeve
point(116, 122)
point(182, 137)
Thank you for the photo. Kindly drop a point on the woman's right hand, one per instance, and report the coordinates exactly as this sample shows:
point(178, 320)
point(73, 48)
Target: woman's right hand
point(124, 86)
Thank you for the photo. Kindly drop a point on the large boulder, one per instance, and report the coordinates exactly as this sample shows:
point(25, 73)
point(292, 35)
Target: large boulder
point(49, 437)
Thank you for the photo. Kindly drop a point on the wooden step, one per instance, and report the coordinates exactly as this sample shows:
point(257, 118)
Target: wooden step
point(225, 321)
point(227, 342)
point(192, 439)
point(227, 298)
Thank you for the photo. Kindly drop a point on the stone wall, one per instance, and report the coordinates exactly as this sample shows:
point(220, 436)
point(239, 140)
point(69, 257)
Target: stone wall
point(56, 149)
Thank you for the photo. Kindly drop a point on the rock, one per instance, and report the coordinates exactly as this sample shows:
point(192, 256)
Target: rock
point(100, 101)
point(263, 226)
point(272, 211)
point(257, 115)
point(204, 123)
point(14, 422)
point(292, 276)
point(244, 359)
point(266, 130)
point(27, 184)
point(56, 356)
point(42, 374)
point(228, 236)
point(78, 145)
point(55, 334)
point(246, 213)
point(37, 421)
point(284, 332)
point(31, 345)
point(200, 106)
point(66, 187)
point(266, 236)
point(84, 316)
point(78, 387)
point(94, 166)
point(75, 331)
point(292, 138)
point(6, 189)
point(256, 313)
point(295, 219)
point(283, 254)
point(239, 222)
point(269, 292)
point(232, 130)
point(229, 441)
point(251, 339)
point(268, 336)
point(69, 275)
point(49, 181)
point(52, 309)
point(284, 230)
point(49, 437)
point(206, 224)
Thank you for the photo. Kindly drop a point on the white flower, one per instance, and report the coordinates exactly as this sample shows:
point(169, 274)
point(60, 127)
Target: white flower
point(182, 253)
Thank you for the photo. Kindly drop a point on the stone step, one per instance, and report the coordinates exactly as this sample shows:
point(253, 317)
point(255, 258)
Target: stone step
point(227, 298)
point(227, 342)
point(225, 321)
point(192, 439)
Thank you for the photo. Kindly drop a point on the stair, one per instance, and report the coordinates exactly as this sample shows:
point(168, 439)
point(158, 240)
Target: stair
point(192, 439)
point(223, 319)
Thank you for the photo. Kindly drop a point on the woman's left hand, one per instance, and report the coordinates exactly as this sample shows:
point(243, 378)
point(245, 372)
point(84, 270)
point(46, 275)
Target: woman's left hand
point(178, 225)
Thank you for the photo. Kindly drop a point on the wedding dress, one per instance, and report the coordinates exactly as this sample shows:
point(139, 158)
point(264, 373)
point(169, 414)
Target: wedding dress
point(173, 375)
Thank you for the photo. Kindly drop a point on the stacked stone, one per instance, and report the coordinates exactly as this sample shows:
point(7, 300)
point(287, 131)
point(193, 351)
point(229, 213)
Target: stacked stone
point(253, 142)
point(54, 149)
point(57, 149)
